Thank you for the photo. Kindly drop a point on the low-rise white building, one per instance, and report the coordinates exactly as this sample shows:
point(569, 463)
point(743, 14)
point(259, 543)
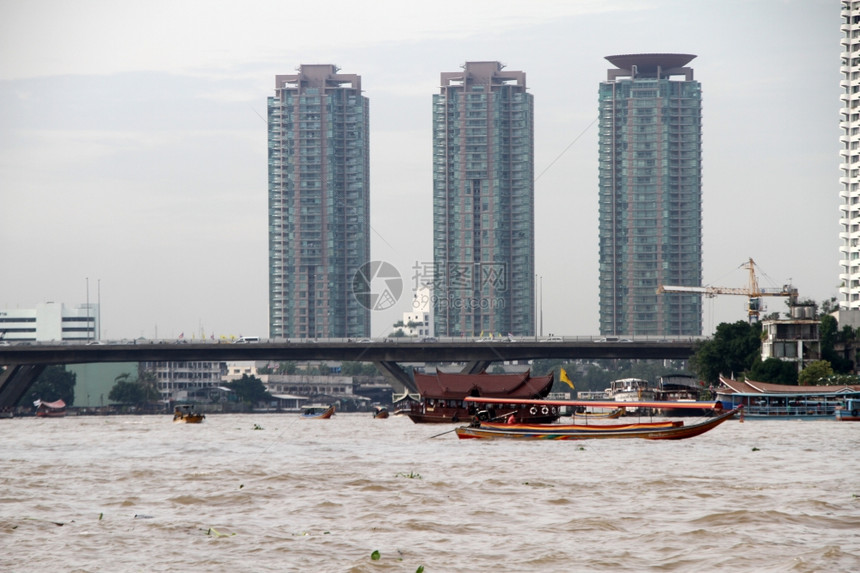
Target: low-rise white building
point(417, 321)
point(56, 322)
point(795, 339)
point(176, 380)
point(50, 321)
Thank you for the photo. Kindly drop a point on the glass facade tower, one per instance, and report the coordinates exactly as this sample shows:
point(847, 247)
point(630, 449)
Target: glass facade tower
point(650, 193)
point(483, 203)
point(319, 207)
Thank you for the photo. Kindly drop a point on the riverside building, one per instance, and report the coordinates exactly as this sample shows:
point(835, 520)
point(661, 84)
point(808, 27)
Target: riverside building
point(483, 202)
point(650, 195)
point(319, 205)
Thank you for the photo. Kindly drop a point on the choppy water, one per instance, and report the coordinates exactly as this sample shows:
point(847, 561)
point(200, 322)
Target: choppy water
point(131, 493)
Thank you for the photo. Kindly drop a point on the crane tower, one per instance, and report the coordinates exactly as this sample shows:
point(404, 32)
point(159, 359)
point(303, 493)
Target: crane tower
point(753, 291)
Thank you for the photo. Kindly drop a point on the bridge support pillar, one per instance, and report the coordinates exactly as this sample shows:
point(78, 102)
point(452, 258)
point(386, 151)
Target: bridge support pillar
point(399, 379)
point(476, 366)
point(15, 381)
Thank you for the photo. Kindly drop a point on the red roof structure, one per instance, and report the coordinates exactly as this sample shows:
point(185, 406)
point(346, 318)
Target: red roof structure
point(448, 386)
point(753, 387)
point(59, 404)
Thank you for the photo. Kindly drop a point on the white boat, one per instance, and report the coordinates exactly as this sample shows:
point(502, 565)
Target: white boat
point(631, 390)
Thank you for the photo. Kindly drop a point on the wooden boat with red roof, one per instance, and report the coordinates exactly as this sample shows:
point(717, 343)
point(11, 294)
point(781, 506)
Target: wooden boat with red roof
point(56, 409)
point(443, 397)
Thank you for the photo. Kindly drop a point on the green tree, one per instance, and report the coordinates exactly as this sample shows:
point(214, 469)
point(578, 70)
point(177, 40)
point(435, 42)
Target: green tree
point(816, 373)
point(55, 383)
point(773, 370)
point(132, 392)
point(351, 368)
point(250, 389)
point(830, 335)
point(287, 367)
point(358, 369)
point(841, 379)
point(734, 348)
point(829, 305)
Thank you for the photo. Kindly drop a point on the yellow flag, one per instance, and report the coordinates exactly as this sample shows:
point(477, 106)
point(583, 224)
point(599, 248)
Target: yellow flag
point(563, 377)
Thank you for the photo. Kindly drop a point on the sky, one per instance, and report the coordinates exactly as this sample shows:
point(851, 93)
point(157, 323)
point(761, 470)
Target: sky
point(133, 161)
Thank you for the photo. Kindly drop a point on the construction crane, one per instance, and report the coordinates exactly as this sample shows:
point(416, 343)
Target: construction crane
point(752, 291)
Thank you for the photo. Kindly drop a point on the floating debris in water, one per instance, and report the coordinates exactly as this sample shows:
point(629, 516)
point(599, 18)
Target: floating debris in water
point(258, 427)
point(142, 516)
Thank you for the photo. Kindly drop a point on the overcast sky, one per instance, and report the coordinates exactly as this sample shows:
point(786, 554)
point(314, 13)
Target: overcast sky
point(133, 143)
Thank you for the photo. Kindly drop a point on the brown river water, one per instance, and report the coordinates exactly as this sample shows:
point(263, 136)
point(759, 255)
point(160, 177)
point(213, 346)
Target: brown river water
point(279, 493)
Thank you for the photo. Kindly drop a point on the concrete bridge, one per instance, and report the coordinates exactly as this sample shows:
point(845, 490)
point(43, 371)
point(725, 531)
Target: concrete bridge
point(24, 362)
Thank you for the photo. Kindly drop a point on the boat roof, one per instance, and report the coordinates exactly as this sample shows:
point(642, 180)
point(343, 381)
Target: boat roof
point(57, 404)
point(752, 387)
point(289, 397)
point(445, 385)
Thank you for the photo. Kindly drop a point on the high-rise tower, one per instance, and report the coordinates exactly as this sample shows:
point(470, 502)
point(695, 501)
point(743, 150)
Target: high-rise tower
point(319, 207)
point(650, 180)
point(849, 124)
point(483, 202)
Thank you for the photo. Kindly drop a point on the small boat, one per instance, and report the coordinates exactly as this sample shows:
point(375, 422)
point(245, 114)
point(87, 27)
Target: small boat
point(850, 412)
point(380, 413)
point(679, 388)
point(50, 409)
point(676, 431)
point(318, 411)
point(616, 413)
point(186, 415)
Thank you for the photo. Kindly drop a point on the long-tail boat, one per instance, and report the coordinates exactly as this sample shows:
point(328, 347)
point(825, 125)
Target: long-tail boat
point(318, 412)
point(673, 430)
point(380, 413)
point(187, 415)
point(581, 427)
point(616, 413)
